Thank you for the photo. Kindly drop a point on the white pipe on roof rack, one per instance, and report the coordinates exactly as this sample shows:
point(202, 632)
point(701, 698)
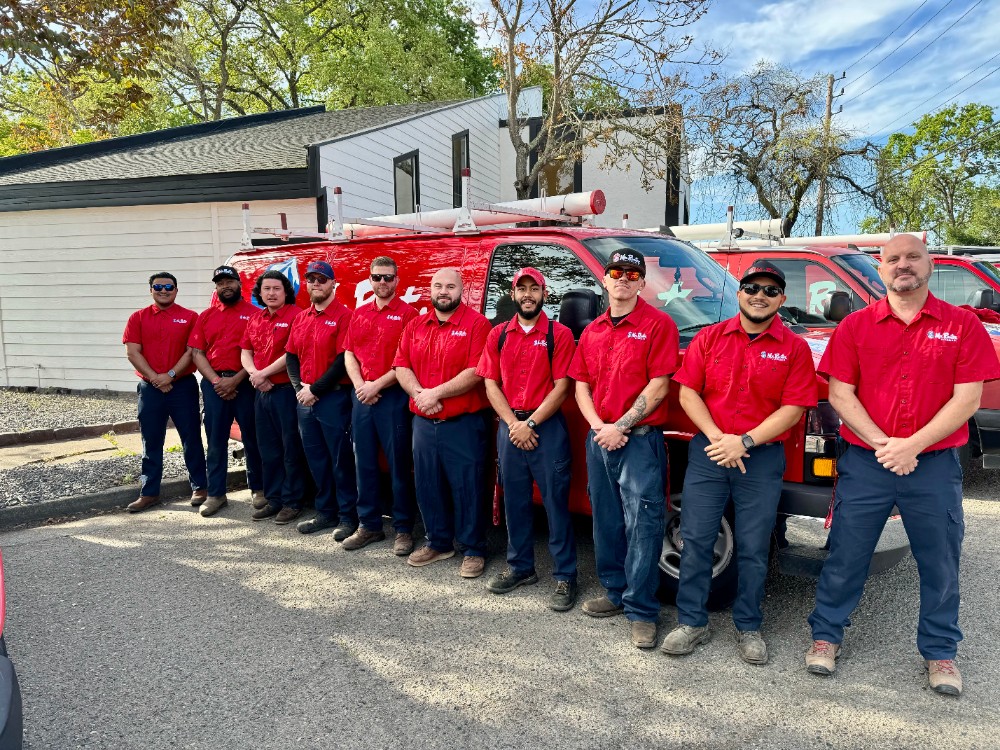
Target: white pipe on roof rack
point(771, 227)
point(858, 240)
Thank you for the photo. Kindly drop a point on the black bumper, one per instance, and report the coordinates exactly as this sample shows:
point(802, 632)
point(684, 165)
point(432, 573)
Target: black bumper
point(805, 499)
point(988, 422)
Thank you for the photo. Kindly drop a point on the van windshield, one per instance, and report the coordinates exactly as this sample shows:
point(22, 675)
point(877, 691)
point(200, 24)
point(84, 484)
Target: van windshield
point(681, 280)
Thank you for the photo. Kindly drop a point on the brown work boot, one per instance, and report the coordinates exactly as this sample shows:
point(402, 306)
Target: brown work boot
point(643, 634)
point(144, 501)
point(472, 566)
point(403, 544)
point(198, 497)
point(287, 515)
point(258, 500)
point(943, 677)
point(601, 607)
point(821, 658)
point(213, 504)
point(426, 555)
point(362, 538)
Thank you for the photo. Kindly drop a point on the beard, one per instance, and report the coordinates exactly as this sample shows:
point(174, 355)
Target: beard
point(229, 297)
point(757, 316)
point(445, 304)
point(911, 285)
point(528, 314)
point(386, 293)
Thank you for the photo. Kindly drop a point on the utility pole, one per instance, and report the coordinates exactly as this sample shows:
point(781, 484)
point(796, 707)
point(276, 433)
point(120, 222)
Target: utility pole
point(821, 194)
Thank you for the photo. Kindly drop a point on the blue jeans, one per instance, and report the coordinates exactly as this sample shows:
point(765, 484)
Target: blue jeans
point(281, 455)
point(180, 405)
point(707, 490)
point(219, 416)
point(548, 465)
point(387, 424)
point(930, 503)
point(325, 428)
point(450, 456)
point(627, 489)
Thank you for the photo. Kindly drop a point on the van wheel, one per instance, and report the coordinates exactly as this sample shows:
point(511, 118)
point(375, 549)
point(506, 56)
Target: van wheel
point(723, 589)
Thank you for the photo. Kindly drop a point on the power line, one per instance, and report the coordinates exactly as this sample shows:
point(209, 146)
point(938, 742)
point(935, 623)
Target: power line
point(881, 41)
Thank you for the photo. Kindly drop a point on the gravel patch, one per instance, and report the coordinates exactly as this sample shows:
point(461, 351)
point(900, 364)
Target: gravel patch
point(20, 411)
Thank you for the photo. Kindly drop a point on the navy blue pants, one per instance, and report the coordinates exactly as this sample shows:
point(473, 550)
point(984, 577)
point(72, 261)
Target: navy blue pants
point(707, 490)
point(548, 465)
point(180, 405)
point(325, 428)
point(387, 423)
point(930, 503)
point(448, 460)
point(219, 416)
point(627, 489)
point(282, 459)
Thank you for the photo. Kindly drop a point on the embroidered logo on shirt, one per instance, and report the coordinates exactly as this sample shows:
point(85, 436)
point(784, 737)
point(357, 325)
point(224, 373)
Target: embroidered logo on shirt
point(539, 342)
point(774, 356)
point(459, 333)
point(394, 317)
point(281, 325)
point(244, 317)
point(330, 323)
point(180, 320)
point(638, 336)
point(938, 336)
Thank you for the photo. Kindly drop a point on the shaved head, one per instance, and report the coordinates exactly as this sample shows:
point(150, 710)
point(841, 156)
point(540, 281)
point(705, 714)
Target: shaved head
point(906, 264)
point(446, 290)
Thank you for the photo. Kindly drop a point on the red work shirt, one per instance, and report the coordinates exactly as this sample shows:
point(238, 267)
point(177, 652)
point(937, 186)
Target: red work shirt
point(162, 334)
point(743, 382)
point(904, 373)
point(618, 361)
point(317, 338)
point(266, 336)
point(522, 367)
point(437, 353)
point(373, 335)
point(219, 331)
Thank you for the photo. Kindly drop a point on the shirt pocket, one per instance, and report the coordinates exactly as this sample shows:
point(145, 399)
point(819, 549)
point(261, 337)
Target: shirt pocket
point(719, 374)
point(770, 376)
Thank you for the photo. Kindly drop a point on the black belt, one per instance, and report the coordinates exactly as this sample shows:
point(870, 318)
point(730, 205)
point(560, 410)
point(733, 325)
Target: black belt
point(226, 373)
point(176, 380)
point(276, 386)
point(434, 420)
point(522, 415)
point(643, 429)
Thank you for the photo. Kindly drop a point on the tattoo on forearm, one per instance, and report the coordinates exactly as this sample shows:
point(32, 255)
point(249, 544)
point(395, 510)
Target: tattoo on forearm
point(633, 415)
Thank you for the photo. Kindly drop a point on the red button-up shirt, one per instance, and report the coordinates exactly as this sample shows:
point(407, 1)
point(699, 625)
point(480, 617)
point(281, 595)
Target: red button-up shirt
point(373, 335)
point(437, 353)
point(522, 367)
point(266, 336)
point(904, 373)
point(317, 338)
point(162, 334)
point(742, 382)
point(617, 362)
point(219, 331)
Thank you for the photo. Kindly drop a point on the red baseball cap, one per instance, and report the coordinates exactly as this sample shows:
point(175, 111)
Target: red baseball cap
point(533, 273)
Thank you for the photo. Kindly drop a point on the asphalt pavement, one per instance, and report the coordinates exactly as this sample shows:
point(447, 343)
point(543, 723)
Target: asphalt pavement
point(167, 630)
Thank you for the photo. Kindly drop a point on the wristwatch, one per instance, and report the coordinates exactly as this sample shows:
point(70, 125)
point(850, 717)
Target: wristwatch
point(172, 374)
point(532, 424)
point(748, 442)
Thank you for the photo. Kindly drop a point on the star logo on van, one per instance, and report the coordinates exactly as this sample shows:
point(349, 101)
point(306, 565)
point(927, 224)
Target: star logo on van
point(674, 292)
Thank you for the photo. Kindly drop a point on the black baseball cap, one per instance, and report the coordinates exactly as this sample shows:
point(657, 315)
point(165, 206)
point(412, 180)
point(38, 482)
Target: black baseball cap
point(627, 259)
point(225, 272)
point(765, 269)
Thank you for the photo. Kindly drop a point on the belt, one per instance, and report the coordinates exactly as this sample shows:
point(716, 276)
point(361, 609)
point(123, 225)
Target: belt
point(276, 386)
point(147, 381)
point(226, 373)
point(434, 420)
point(643, 429)
point(522, 414)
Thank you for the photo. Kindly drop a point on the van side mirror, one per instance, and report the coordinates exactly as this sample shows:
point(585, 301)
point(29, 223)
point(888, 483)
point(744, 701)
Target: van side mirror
point(985, 299)
point(578, 309)
point(838, 306)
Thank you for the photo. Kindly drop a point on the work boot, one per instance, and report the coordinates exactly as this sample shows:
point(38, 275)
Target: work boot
point(684, 639)
point(427, 555)
point(213, 504)
point(601, 607)
point(144, 502)
point(258, 500)
point(821, 658)
point(287, 515)
point(751, 646)
point(362, 538)
point(943, 677)
point(473, 566)
point(564, 597)
point(198, 497)
point(266, 512)
point(402, 545)
point(643, 634)
point(510, 579)
point(316, 523)
point(344, 529)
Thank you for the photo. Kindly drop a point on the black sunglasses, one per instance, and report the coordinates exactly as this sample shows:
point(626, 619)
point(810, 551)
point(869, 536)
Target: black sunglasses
point(163, 287)
point(769, 290)
point(383, 277)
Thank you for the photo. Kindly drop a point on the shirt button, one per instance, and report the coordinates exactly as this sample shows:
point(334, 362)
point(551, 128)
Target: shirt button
point(905, 353)
point(903, 401)
point(905, 377)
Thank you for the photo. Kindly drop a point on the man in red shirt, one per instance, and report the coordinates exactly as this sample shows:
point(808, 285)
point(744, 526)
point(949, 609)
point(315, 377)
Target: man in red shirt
point(225, 389)
point(906, 374)
point(263, 357)
point(380, 416)
point(745, 383)
point(525, 364)
point(315, 361)
point(436, 365)
point(622, 369)
point(155, 341)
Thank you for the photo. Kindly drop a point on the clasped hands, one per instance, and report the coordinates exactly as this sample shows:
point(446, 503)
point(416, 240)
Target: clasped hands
point(522, 436)
point(427, 401)
point(727, 450)
point(898, 455)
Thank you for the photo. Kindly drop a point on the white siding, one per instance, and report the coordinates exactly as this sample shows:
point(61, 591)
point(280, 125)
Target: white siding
point(70, 278)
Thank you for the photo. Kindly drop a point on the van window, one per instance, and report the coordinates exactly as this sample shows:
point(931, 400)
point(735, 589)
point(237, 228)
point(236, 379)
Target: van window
point(955, 284)
point(808, 286)
point(562, 269)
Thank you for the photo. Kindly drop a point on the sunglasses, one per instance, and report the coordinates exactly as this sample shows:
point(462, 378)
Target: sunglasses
point(163, 287)
point(617, 273)
point(317, 279)
point(383, 277)
point(769, 290)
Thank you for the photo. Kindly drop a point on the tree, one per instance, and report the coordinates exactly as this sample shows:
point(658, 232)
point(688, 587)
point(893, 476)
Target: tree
point(945, 176)
point(613, 73)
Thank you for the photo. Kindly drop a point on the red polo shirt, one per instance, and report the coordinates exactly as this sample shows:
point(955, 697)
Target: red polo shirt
point(743, 382)
point(522, 368)
point(317, 338)
point(266, 335)
point(218, 333)
point(437, 353)
point(904, 373)
point(617, 362)
point(162, 334)
point(374, 333)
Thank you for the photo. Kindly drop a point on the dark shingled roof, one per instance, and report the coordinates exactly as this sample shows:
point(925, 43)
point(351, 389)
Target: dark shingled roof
point(272, 141)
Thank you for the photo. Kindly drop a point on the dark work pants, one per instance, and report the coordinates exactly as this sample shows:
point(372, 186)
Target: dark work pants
point(282, 459)
point(219, 417)
point(449, 456)
point(627, 490)
point(180, 405)
point(930, 503)
point(325, 428)
point(387, 424)
point(707, 490)
point(548, 465)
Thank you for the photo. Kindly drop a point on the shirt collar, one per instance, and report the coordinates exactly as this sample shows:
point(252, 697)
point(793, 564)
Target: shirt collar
point(932, 307)
point(456, 319)
point(633, 318)
point(156, 308)
point(775, 330)
point(541, 324)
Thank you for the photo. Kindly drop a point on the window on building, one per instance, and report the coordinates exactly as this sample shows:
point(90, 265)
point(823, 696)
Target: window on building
point(459, 161)
point(406, 181)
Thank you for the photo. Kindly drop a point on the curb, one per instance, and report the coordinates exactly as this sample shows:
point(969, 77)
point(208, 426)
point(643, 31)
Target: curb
point(117, 497)
point(65, 433)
